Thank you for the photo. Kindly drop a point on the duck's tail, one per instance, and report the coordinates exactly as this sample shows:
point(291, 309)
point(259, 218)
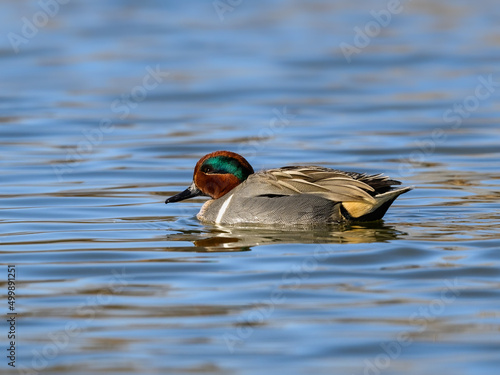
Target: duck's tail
point(362, 211)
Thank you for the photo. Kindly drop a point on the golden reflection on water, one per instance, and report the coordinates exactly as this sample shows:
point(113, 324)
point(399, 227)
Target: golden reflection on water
point(225, 238)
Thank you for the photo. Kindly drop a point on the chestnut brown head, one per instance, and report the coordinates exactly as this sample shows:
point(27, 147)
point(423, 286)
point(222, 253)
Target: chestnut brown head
point(215, 175)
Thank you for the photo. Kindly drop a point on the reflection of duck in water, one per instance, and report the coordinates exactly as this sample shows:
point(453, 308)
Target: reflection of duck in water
point(286, 196)
point(231, 238)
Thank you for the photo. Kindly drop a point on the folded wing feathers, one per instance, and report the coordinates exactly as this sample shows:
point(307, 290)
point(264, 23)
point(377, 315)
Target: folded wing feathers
point(348, 180)
point(289, 186)
point(335, 185)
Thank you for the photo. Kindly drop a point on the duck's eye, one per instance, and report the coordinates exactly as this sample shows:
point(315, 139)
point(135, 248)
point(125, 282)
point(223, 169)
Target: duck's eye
point(207, 169)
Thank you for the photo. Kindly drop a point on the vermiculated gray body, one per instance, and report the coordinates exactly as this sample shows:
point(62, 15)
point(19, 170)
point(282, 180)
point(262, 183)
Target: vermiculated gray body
point(303, 195)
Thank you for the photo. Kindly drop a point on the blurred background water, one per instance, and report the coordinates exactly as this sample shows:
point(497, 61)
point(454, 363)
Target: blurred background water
point(106, 107)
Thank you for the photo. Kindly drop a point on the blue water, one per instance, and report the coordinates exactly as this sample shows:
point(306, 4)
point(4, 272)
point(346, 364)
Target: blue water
point(105, 109)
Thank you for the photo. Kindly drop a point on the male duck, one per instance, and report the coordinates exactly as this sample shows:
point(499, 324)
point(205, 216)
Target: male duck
point(288, 195)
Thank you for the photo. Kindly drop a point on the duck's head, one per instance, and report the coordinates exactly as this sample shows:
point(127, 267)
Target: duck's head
point(216, 174)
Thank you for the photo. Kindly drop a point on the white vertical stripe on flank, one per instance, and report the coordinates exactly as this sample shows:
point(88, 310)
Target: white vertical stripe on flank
point(223, 210)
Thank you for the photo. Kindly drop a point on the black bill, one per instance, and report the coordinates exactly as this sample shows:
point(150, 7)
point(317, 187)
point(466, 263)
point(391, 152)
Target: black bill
point(190, 192)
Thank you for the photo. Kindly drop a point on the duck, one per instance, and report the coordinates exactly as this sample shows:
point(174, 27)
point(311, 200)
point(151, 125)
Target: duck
point(291, 195)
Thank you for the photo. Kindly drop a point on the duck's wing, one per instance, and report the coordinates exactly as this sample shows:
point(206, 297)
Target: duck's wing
point(379, 182)
point(337, 186)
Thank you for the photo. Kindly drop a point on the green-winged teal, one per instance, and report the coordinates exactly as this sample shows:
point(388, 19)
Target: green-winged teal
point(288, 195)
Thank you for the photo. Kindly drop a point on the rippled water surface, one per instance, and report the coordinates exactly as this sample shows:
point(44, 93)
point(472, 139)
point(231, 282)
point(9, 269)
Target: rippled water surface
point(107, 106)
